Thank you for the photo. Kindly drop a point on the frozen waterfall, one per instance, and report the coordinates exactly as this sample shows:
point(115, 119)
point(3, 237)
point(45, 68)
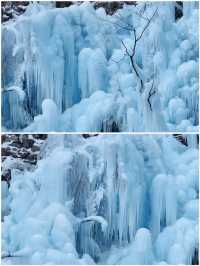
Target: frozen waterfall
point(76, 58)
point(111, 199)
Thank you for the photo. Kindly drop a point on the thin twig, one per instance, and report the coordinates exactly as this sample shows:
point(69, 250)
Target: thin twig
point(131, 28)
point(147, 25)
point(151, 93)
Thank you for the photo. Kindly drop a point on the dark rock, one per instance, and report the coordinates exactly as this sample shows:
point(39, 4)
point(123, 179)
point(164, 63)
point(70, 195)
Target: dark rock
point(178, 10)
point(40, 136)
point(3, 138)
point(110, 125)
point(27, 143)
point(23, 155)
point(181, 138)
point(16, 144)
point(35, 148)
point(114, 127)
point(85, 136)
point(112, 6)
point(6, 176)
point(32, 157)
point(15, 155)
point(23, 147)
point(195, 258)
point(11, 9)
point(6, 151)
point(61, 4)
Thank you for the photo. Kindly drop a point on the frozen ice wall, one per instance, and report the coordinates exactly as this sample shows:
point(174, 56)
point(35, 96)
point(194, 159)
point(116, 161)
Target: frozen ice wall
point(41, 56)
point(107, 199)
point(77, 58)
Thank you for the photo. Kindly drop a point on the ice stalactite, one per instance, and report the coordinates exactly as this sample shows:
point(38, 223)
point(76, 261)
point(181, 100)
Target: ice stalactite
point(188, 8)
point(72, 55)
point(151, 113)
point(55, 80)
point(163, 203)
point(14, 116)
point(121, 200)
point(192, 141)
point(92, 72)
point(4, 199)
point(50, 64)
point(123, 217)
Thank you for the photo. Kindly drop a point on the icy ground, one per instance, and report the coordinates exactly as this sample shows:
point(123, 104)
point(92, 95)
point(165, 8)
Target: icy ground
point(67, 69)
point(108, 199)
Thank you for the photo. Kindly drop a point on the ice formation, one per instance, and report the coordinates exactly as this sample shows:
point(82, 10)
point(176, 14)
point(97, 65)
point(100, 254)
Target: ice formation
point(75, 57)
point(108, 199)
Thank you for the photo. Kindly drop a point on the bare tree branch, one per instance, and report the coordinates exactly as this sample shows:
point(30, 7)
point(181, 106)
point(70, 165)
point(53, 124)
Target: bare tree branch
point(151, 93)
point(122, 24)
point(147, 25)
point(136, 40)
point(117, 62)
point(10, 256)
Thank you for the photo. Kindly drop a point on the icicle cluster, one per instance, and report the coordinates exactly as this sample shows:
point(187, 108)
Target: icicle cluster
point(108, 199)
point(74, 57)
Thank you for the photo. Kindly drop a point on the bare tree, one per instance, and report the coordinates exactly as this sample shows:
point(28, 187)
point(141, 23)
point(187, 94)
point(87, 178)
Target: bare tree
point(130, 52)
point(121, 23)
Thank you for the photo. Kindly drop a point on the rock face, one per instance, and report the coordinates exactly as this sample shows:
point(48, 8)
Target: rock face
point(112, 6)
point(12, 9)
point(20, 152)
point(181, 138)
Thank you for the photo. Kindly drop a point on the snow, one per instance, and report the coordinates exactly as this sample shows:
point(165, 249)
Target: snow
point(70, 55)
point(108, 199)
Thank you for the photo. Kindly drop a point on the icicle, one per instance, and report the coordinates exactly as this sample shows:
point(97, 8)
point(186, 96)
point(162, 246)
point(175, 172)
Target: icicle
point(101, 197)
point(188, 8)
point(92, 72)
point(192, 141)
point(163, 202)
point(170, 200)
